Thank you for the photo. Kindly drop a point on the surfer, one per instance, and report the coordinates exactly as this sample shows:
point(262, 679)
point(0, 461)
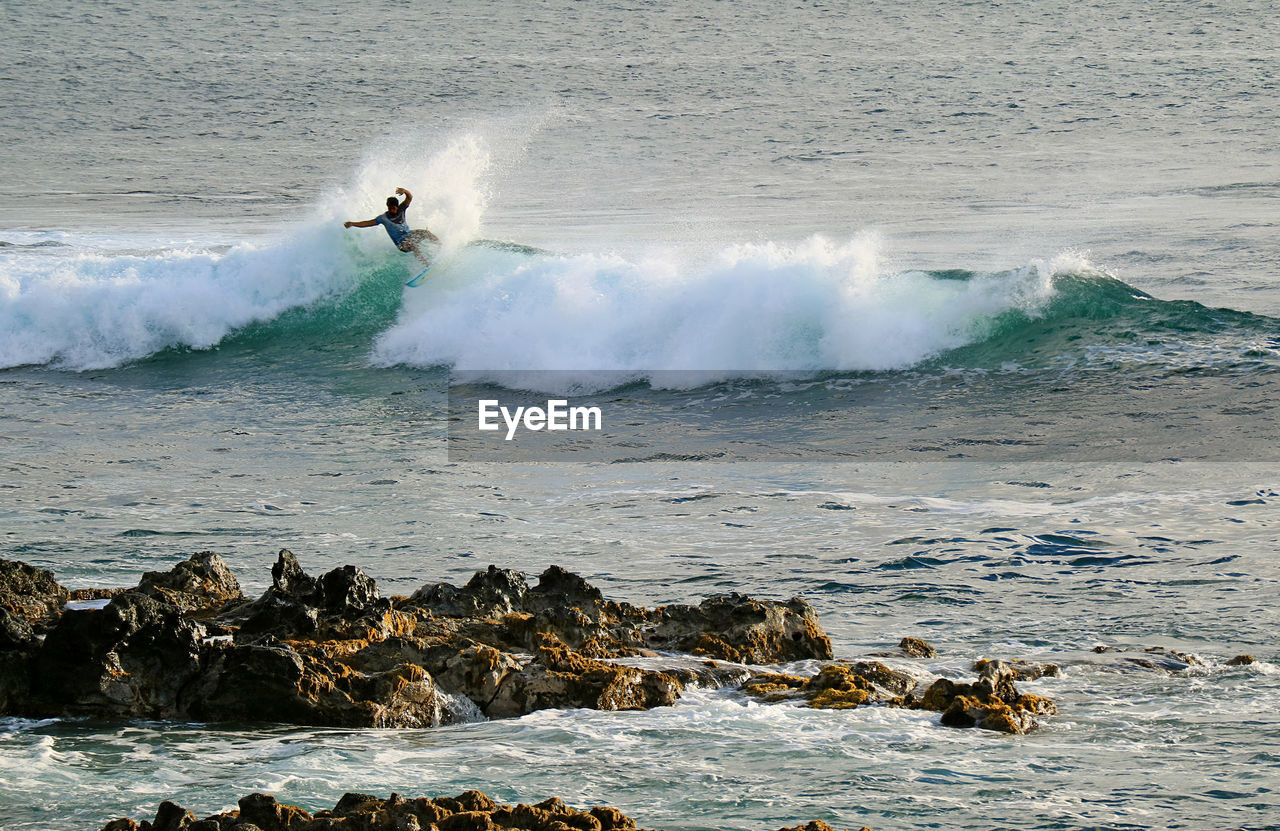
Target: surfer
point(398, 226)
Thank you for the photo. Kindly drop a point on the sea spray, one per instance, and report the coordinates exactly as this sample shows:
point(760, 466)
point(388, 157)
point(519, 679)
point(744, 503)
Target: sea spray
point(86, 309)
point(450, 187)
point(817, 305)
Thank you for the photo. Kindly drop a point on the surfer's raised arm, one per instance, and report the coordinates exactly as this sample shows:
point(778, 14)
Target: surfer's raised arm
point(398, 228)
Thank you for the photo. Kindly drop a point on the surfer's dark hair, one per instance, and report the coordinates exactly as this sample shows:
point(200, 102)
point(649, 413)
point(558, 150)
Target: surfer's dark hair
point(392, 202)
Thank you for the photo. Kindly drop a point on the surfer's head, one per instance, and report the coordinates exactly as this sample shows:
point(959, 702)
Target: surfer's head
point(393, 204)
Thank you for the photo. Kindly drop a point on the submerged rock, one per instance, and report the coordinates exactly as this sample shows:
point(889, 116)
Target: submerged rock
point(991, 702)
point(1024, 670)
point(838, 686)
point(470, 811)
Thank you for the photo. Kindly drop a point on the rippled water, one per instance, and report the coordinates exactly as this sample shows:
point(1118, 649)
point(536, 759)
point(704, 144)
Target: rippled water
point(198, 358)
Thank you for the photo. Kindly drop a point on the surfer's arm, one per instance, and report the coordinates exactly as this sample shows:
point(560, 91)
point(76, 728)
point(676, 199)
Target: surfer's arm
point(408, 197)
point(368, 223)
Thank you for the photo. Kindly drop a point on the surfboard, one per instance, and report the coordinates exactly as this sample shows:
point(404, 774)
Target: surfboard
point(415, 280)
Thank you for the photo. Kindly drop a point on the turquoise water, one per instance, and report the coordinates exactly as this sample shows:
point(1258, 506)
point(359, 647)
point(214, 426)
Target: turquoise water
point(949, 221)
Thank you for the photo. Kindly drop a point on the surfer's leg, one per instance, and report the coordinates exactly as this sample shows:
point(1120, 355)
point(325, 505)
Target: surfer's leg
point(409, 245)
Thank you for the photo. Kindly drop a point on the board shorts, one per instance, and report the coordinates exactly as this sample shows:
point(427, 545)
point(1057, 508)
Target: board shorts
point(411, 240)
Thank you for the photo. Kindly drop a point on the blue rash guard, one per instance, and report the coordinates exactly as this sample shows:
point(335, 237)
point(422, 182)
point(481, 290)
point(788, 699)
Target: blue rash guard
point(396, 224)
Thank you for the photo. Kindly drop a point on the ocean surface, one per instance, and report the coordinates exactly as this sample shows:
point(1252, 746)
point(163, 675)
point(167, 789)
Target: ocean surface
point(947, 222)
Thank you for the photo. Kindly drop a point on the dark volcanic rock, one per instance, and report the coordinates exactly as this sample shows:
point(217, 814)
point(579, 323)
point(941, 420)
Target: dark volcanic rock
point(289, 580)
point(470, 811)
point(735, 627)
point(342, 603)
point(16, 632)
point(491, 593)
point(917, 648)
point(839, 686)
point(333, 651)
point(202, 583)
point(1023, 670)
point(991, 702)
point(129, 660)
point(29, 593)
point(558, 588)
point(348, 592)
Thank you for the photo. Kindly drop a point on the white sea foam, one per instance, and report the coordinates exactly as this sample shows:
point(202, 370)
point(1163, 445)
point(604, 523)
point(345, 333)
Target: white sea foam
point(675, 318)
point(90, 308)
point(815, 305)
point(90, 303)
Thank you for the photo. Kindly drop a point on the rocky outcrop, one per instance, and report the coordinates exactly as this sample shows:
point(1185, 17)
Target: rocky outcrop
point(992, 702)
point(738, 628)
point(199, 584)
point(917, 648)
point(28, 593)
point(1022, 670)
point(128, 660)
point(470, 811)
point(330, 650)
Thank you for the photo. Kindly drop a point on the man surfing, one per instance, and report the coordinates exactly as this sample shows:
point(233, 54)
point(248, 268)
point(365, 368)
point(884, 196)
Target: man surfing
point(398, 226)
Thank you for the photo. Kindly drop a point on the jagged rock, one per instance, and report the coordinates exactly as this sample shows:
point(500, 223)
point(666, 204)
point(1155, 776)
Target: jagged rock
point(558, 588)
point(917, 648)
point(1242, 661)
point(275, 683)
point(470, 811)
point(342, 604)
point(348, 592)
point(289, 580)
point(127, 660)
point(201, 583)
point(838, 686)
point(333, 651)
point(1024, 670)
point(16, 632)
point(172, 817)
point(560, 677)
point(30, 593)
point(492, 593)
point(992, 702)
point(738, 628)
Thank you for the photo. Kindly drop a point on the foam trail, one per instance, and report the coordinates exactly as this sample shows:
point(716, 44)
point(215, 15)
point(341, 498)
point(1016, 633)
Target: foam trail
point(93, 310)
point(809, 307)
